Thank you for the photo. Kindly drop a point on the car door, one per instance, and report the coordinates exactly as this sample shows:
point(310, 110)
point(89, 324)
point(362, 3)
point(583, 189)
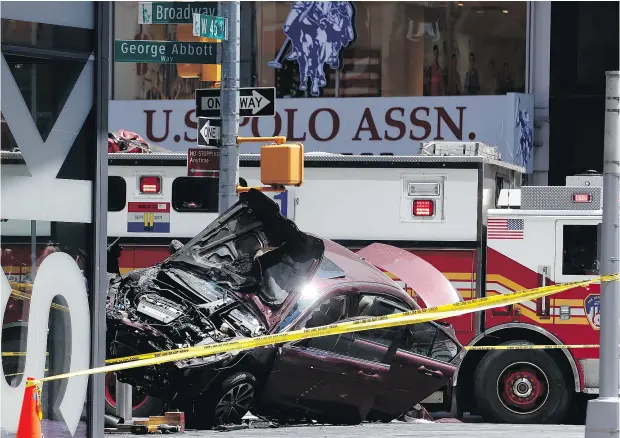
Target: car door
point(320, 377)
point(420, 363)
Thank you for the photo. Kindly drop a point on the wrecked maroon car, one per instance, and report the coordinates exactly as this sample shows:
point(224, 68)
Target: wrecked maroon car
point(253, 272)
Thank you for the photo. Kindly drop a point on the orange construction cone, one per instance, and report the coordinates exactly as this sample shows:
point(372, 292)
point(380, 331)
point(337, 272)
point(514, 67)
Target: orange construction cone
point(30, 418)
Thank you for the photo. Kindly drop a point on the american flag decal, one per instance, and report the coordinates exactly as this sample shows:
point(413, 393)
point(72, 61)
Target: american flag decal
point(505, 229)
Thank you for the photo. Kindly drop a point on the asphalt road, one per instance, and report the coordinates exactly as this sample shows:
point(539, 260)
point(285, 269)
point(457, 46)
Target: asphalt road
point(425, 430)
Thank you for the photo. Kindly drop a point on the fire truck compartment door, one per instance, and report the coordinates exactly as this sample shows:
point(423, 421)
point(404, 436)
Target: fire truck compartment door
point(427, 282)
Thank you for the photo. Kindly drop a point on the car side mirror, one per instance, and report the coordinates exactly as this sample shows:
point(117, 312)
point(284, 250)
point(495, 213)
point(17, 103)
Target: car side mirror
point(175, 246)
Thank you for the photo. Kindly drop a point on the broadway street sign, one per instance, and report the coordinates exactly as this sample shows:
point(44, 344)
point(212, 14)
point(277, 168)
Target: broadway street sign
point(207, 26)
point(173, 12)
point(165, 52)
point(209, 133)
point(253, 102)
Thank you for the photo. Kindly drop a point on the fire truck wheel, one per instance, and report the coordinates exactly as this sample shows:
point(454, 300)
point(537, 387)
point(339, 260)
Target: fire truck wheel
point(521, 387)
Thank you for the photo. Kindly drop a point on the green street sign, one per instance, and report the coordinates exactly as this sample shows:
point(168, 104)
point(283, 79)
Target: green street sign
point(173, 12)
point(165, 52)
point(207, 26)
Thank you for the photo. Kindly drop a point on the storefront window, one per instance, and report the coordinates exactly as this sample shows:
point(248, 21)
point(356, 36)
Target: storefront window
point(158, 81)
point(372, 49)
point(49, 147)
point(154, 81)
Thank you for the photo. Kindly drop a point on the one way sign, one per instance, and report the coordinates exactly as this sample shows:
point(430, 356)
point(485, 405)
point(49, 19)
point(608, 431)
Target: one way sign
point(209, 133)
point(253, 102)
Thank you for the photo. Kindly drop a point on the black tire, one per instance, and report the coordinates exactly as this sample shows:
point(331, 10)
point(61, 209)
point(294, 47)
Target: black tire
point(144, 405)
point(226, 401)
point(521, 386)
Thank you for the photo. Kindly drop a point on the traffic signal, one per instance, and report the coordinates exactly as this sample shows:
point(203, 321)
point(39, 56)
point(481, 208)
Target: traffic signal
point(210, 72)
point(185, 34)
point(206, 72)
point(282, 164)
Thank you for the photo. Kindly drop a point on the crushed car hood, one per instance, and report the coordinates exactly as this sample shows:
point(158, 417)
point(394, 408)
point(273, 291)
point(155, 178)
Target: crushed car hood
point(252, 249)
point(427, 282)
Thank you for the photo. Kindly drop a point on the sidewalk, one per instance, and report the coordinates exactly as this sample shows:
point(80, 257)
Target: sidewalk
point(421, 430)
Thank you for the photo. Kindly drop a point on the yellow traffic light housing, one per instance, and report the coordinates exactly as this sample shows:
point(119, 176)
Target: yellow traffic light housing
point(282, 164)
point(210, 72)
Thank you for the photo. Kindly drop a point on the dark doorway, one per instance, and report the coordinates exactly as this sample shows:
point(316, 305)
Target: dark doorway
point(584, 44)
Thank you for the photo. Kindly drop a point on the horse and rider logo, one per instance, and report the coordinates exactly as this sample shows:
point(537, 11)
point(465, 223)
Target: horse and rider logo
point(316, 32)
point(526, 134)
point(592, 305)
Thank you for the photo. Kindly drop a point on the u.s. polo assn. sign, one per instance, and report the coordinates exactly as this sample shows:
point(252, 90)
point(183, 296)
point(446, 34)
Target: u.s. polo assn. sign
point(358, 125)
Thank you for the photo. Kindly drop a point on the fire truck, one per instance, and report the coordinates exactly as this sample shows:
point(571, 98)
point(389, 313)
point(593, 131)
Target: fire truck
point(457, 206)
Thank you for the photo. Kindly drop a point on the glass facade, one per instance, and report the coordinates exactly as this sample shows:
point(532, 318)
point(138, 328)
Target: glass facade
point(395, 48)
point(366, 49)
point(48, 216)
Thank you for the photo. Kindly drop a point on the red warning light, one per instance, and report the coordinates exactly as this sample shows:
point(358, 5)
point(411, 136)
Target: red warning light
point(150, 184)
point(423, 207)
point(582, 197)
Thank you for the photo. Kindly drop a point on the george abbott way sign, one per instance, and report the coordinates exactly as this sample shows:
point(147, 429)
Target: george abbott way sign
point(380, 124)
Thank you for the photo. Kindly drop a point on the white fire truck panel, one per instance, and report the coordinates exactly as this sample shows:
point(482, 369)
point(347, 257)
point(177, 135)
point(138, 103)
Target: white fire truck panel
point(547, 216)
point(183, 224)
point(415, 198)
point(378, 203)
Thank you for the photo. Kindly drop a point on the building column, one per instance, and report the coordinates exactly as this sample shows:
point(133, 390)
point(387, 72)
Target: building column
point(539, 84)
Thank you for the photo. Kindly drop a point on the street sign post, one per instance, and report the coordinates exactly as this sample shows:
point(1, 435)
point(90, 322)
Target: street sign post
point(603, 413)
point(173, 12)
point(209, 132)
point(165, 52)
point(208, 26)
point(230, 97)
point(203, 162)
point(253, 102)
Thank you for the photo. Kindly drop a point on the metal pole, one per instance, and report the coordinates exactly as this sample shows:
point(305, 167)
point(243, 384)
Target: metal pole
point(610, 249)
point(603, 415)
point(229, 154)
point(33, 248)
point(123, 401)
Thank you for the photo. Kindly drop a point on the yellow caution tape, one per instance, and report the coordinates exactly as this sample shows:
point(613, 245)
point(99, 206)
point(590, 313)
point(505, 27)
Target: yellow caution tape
point(529, 347)
point(17, 353)
point(19, 374)
point(405, 318)
point(466, 347)
point(22, 296)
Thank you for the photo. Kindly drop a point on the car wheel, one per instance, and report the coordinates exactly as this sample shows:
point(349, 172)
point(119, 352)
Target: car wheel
point(227, 401)
point(521, 386)
point(142, 404)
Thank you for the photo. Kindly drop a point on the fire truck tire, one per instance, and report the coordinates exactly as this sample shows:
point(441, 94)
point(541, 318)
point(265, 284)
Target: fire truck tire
point(521, 386)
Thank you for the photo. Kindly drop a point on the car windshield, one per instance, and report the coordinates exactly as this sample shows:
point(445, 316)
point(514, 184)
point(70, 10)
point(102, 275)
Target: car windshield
point(252, 249)
point(327, 270)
